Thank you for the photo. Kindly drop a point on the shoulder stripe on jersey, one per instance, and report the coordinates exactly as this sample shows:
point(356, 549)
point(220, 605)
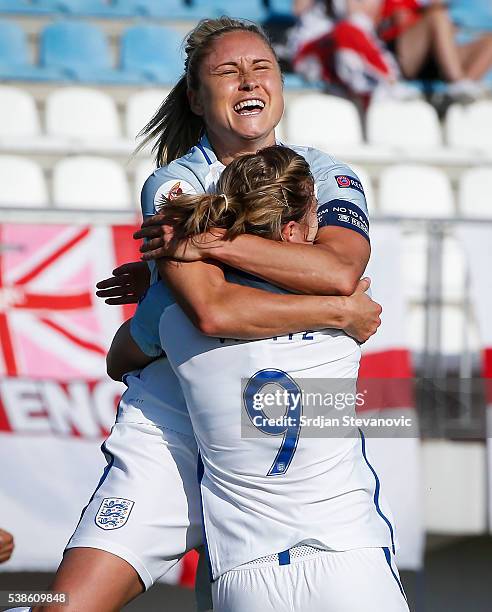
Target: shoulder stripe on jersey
point(207, 158)
point(344, 213)
point(376, 492)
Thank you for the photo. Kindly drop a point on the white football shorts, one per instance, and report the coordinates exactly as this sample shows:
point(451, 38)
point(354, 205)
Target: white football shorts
point(306, 579)
point(146, 508)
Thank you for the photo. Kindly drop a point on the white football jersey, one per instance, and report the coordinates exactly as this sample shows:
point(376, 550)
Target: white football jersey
point(262, 495)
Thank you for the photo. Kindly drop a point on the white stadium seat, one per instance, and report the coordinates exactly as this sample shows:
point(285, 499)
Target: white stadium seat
point(322, 121)
point(82, 114)
point(90, 183)
point(474, 193)
point(19, 116)
point(142, 171)
point(140, 108)
point(367, 184)
point(22, 183)
point(470, 126)
point(403, 125)
point(415, 191)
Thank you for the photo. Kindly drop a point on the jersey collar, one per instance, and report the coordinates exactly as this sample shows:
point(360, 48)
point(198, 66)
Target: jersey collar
point(206, 149)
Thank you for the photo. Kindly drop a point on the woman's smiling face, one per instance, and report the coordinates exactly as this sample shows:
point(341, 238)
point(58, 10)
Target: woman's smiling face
point(240, 96)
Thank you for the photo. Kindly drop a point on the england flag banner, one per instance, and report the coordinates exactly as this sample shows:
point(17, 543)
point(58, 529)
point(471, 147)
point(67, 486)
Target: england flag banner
point(56, 402)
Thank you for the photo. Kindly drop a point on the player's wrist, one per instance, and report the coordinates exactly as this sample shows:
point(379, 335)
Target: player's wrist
point(339, 312)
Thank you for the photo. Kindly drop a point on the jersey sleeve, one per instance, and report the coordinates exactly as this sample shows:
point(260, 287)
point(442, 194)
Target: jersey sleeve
point(169, 181)
point(144, 326)
point(340, 195)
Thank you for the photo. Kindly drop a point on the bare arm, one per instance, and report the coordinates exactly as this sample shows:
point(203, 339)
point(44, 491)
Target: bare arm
point(124, 355)
point(333, 266)
point(223, 309)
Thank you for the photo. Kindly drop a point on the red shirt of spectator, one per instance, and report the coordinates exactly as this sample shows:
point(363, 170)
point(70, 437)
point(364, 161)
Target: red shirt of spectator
point(399, 15)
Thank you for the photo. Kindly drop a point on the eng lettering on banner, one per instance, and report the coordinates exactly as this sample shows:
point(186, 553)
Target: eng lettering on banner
point(84, 409)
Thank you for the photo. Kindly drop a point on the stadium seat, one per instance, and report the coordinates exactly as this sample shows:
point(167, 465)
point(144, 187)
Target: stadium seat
point(24, 7)
point(253, 10)
point(170, 9)
point(415, 191)
point(472, 14)
point(140, 108)
point(474, 193)
point(14, 56)
point(23, 183)
point(470, 126)
point(403, 125)
point(92, 8)
point(152, 53)
point(90, 183)
point(327, 122)
point(280, 7)
point(18, 114)
point(142, 172)
point(80, 51)
point(368, 186)
point(82, 114)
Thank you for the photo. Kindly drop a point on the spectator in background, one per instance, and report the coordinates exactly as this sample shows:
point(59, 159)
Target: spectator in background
point(422, 36)
point(6, 545)
point(352, 56)
point(313, 21)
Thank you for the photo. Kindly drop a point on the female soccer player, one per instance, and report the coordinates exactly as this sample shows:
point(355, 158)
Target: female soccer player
point(145, 514)
point(288, 497)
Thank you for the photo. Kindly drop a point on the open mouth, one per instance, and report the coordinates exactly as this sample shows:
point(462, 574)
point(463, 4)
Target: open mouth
point(249, 107)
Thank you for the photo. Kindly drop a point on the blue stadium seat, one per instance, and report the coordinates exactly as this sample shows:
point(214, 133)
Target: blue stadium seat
point(153, 53)
point(14, 57)
point(81, 52)
point(24, 7)
point(280, 7)
point(473, 14)
point(253, 10)
point(168, 9)
point(93, 8)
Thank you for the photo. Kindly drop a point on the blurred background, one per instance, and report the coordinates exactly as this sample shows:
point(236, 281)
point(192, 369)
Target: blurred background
point(399, 89)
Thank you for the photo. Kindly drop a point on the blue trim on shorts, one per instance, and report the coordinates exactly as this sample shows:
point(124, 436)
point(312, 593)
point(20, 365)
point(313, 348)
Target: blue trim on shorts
point(387, 554)
point(200, 470)
point(110, 461)
point(376, 492)
point(284, 557)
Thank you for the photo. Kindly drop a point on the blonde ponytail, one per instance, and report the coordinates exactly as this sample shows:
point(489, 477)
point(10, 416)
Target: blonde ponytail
point(259, 193)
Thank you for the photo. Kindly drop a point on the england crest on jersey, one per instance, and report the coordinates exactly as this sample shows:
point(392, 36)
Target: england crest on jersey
point(113, 512)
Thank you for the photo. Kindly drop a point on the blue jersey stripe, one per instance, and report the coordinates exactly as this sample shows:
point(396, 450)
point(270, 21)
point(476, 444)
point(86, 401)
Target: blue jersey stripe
point(376, 492)
point(387, 554)
point(205, 155)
